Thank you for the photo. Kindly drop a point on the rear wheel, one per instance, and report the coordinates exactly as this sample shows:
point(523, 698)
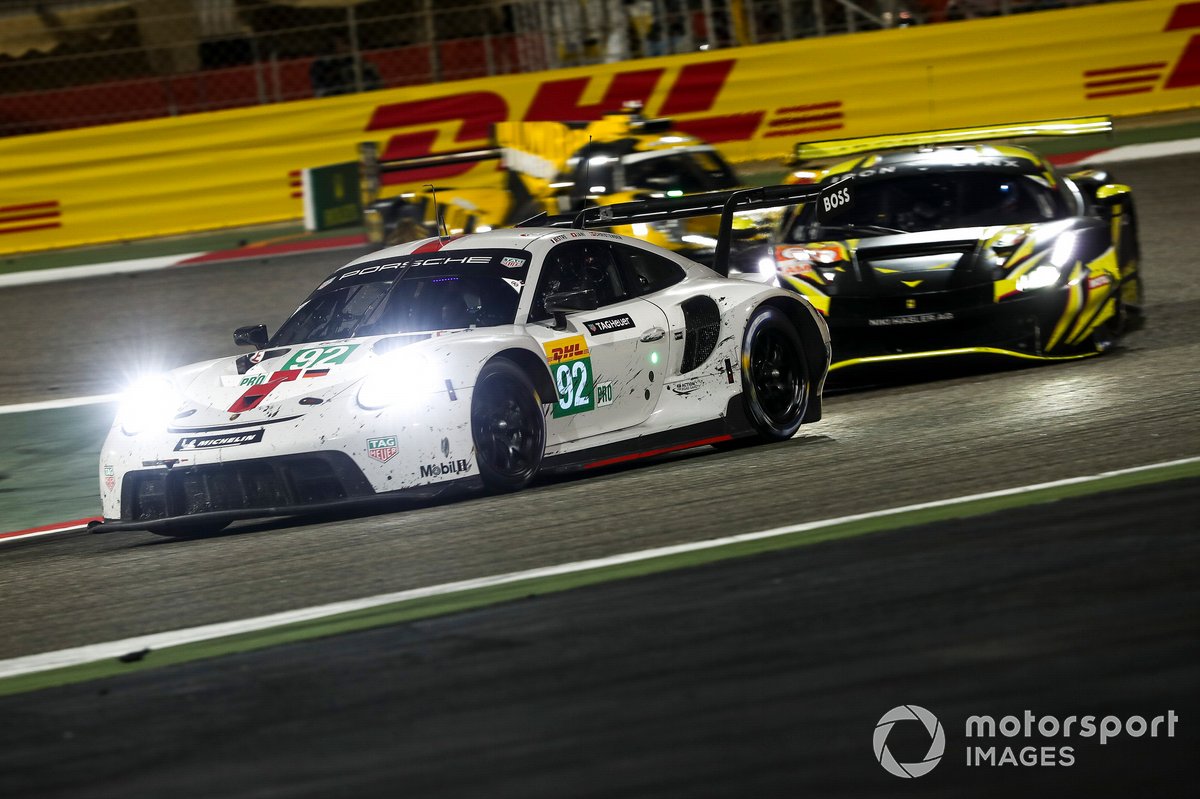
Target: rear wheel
point(507, 426)
point(775, 381)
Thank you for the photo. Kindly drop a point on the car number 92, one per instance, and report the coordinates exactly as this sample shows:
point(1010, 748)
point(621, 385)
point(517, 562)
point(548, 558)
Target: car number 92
point(571, 365)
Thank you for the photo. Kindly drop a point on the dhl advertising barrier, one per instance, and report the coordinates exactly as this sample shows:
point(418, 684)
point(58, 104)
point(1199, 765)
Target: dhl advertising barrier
point(241, 167)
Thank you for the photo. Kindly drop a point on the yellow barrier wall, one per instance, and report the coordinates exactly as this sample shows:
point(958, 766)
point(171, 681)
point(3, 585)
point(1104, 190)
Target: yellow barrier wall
point(238, 167)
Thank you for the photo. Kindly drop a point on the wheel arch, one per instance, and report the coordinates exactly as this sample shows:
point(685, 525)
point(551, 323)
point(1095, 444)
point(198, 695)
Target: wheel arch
point(815, 349)
point(534, 368)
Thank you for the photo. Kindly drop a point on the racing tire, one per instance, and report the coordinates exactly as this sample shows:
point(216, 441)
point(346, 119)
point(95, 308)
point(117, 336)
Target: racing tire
point(1108, 333)
point(775, 381)
point(187, 528)
point(508, 427)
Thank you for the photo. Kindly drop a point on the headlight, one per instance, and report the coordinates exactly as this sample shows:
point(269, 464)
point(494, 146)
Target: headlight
point(1039, 278)
point(1046, 275)
point(1064, 249)
point(148, 404)
point(400, 378)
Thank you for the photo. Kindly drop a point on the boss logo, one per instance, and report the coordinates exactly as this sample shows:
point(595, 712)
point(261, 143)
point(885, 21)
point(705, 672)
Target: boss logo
point(835, 200)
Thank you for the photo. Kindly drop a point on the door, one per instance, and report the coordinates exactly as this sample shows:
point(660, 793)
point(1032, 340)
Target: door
point(607, 364)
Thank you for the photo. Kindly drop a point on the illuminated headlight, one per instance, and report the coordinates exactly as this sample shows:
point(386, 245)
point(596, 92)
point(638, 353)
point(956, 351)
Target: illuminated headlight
point(148, 404)
point(1064, 249)
point(1039, 278)
point(400, 379)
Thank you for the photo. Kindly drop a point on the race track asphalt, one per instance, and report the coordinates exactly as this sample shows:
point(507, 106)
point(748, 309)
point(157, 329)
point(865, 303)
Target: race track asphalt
point(763, 676)
point(885, 447)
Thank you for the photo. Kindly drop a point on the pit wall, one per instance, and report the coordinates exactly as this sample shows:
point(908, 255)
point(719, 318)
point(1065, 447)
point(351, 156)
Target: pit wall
point(241, 167)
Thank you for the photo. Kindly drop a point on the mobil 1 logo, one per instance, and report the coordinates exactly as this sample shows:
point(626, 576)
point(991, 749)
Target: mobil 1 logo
point(835, 199)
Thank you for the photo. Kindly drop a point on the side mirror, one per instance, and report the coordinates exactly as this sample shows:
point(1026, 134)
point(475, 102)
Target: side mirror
point(251, 336)
point(1111, 193)
point(562, 303)
point(1111, 197)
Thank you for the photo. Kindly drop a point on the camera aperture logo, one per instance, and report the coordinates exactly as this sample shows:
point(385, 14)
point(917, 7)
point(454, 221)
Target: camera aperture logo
point(937, 742)
point(989, 742)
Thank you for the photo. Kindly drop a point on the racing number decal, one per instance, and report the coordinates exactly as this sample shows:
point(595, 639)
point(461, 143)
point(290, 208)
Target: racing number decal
point(571, 365)
point(318, 357)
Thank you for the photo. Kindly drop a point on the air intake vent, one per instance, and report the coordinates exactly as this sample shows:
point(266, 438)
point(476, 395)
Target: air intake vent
point(702, 319)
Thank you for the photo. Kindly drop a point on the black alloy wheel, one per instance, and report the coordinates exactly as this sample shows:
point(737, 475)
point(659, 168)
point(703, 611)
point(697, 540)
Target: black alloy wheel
point(775, 381)
point(508, 427)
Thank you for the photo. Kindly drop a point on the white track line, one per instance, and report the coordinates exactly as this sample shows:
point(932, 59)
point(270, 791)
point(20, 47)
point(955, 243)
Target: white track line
point(65, 402)
point(112, 649)
point(1136, 152)
point(21, 535)
point(32, 276)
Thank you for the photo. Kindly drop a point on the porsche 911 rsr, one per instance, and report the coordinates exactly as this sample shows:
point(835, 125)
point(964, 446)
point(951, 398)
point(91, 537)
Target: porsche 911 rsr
point(953, 246)
point(480, 359)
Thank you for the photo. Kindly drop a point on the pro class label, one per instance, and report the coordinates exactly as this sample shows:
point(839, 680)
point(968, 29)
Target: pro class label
point(609, 324)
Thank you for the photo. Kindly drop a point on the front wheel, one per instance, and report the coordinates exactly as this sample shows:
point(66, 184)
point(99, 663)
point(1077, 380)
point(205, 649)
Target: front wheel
point(775, 382)
point(507, 426)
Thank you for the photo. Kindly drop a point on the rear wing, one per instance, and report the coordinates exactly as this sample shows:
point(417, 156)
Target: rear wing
point(372, 169)
point(831, 200)
point(805, 152)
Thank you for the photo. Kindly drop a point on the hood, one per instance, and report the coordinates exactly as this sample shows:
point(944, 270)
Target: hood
point(279, 383)
point(911, 263)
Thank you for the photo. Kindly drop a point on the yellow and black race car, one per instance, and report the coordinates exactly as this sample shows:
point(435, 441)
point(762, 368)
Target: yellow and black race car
point(953, 246)
point(558, 168)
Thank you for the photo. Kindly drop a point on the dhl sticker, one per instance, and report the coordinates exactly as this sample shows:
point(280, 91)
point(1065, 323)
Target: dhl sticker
point(566, 349)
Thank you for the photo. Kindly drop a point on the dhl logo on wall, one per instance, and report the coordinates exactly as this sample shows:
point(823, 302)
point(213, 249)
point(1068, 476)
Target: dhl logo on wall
point(239, 167)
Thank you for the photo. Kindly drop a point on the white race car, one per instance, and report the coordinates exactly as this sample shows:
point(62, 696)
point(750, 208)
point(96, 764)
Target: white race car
point(478, 359)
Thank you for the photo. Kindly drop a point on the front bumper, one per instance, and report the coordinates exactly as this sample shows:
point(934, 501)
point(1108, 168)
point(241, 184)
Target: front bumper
point(866, 329)
point(292, 481)
point(286, 485)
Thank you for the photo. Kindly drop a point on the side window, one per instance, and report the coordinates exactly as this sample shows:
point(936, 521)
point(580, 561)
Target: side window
point(577, 266)
point(647, 271)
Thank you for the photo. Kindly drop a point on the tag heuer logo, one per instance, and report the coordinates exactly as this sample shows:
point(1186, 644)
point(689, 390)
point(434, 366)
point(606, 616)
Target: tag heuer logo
point(382, 449)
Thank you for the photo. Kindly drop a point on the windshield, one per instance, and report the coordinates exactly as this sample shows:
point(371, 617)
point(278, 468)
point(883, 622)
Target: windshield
point(912, 203)
point(688, 171)
point(414, 293)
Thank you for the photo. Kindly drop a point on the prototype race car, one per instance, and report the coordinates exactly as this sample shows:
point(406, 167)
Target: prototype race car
point(556, 168)
point(479, 359)
point(958, 247)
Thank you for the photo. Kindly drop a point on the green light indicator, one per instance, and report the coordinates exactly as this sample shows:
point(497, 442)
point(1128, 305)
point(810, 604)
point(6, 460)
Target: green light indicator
point(675, 193)
point(654, 357)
